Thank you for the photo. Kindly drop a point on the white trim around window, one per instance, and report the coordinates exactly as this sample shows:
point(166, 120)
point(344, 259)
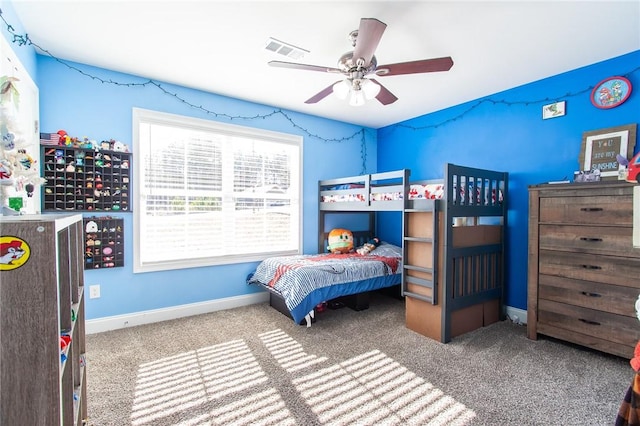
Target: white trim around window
point(211, 193)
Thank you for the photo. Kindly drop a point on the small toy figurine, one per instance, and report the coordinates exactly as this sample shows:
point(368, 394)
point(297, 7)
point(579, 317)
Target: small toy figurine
point(369, 246)
point(8, 140)
point(633, 167)
point(5, 172)
point(80, 158)
point(99, 161)
point(91, 226)
point(59, 156)
point(119, 146)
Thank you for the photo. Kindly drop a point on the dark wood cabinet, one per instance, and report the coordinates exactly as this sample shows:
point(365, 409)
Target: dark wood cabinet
point(584, 274)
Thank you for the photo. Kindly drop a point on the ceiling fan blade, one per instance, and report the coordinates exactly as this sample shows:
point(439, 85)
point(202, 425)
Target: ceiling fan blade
point(369, 35)
point(384, 96)
point(321, 94)
point(293, 65)
point(415, 67)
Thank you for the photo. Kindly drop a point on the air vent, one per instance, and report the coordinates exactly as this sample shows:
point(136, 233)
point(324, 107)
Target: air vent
point(285, 49)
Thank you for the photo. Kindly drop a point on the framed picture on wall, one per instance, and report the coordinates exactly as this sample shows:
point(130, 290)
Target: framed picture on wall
point(600, 149)
point(556, 109)
point(611, 92)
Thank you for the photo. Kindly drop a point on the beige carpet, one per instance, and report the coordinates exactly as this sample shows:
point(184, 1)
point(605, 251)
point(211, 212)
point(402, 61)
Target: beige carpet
point(253, 365)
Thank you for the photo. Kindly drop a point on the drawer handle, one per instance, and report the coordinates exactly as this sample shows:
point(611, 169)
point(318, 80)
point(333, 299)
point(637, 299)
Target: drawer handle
point(591, 267)
point(590, 239)
point(588, 321)
point(587, 293)
point(591, 209)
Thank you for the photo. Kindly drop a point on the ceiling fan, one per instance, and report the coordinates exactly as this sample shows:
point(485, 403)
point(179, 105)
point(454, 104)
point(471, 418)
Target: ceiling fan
point(358, 64)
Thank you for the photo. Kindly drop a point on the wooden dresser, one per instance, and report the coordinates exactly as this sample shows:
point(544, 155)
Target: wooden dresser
point(584, 274)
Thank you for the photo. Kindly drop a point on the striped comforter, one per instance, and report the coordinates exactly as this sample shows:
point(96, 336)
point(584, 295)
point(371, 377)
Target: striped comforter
point(297, 278)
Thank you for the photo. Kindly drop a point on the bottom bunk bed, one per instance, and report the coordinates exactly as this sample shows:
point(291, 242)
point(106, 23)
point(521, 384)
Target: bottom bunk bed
point(298, 284)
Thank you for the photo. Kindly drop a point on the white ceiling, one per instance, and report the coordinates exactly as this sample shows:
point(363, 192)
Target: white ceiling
point(219, 46)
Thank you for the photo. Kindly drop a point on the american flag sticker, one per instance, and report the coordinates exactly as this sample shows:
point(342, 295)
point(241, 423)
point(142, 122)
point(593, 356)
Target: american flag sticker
point(49, 138)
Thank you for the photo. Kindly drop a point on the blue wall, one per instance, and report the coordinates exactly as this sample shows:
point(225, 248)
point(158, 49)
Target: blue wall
point(26, 53)
point(87, 107)
point(506, 132)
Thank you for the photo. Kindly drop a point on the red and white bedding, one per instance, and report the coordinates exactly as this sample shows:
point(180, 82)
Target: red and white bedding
point(429, 191)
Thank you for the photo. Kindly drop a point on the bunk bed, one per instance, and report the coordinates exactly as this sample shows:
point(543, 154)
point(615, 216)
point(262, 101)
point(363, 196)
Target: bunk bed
point(454, 252)
point(312, 279)
point(451, 271)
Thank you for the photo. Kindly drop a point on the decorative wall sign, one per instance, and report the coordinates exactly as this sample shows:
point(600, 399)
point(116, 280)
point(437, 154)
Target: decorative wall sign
point(14, 252)
point(556, 109)
point(600, 147)
point(611, 92)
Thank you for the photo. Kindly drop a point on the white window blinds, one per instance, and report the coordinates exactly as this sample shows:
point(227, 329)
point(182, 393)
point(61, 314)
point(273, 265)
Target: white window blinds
point(210, 193)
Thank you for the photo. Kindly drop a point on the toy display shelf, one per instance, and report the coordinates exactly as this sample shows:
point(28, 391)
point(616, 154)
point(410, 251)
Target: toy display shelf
point(85, 180)
point(103, 242)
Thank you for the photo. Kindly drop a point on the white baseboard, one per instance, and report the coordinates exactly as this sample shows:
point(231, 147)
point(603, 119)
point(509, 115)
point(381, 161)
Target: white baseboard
point(156, 315)
point(517, 315)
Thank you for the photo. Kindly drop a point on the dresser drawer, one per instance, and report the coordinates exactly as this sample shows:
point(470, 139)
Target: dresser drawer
point(616, 241)
point(590, 267)
point(602, 297)
point(603, 325)
point(601, 210)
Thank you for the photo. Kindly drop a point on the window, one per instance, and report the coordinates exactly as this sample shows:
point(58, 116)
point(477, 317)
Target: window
point(210, 193)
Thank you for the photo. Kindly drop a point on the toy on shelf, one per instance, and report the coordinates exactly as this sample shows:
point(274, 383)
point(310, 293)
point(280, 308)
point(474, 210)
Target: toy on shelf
point(104, 242)
point(84, 179)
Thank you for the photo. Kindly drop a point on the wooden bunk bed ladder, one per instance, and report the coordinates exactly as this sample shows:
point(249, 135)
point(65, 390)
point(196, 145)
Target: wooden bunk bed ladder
point(420, 253)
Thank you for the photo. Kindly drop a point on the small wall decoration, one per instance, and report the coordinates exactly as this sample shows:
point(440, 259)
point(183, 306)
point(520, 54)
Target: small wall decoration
point(600, 148)
point(14, 252)
point(556, 109)
point(611, 92)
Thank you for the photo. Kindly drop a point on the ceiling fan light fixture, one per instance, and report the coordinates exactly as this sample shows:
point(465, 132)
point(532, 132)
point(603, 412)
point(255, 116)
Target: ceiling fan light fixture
point(370, 89)
point(357, 98)
point(341, 89)
point(361, 62)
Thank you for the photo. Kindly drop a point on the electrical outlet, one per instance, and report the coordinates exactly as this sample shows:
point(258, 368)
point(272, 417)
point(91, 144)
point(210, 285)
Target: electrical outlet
point(94, 291)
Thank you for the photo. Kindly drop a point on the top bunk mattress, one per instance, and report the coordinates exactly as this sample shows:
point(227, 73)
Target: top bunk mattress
point(417, 191)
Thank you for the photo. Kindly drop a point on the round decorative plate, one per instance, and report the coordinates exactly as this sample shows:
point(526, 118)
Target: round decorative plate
point(610, 92)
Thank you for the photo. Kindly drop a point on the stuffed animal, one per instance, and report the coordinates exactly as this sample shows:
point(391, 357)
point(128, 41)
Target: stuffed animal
point(340, 241)
point(369, 246)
